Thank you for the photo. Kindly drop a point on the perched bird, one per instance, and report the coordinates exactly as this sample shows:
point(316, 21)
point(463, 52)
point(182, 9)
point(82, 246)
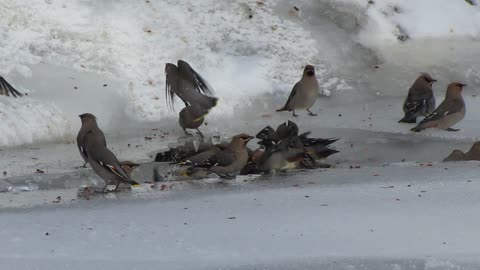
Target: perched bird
point(285, 157)
point(290, 129)
point(182, 80)
point(304, 93)
point(184, 152)
point(7, 89)
point(449, 112)
point(284, 149)
point(89, 123)
point(103, 161)
point(192, 117)
point(221, 160)
point(420, 99)
point(472, 154)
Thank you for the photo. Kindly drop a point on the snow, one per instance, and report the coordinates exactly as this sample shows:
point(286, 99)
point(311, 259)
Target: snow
point(51, 47)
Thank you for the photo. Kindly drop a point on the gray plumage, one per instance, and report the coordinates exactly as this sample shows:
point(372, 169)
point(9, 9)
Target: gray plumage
point(103, 161)
point(304, 93)
point(420, 99)
point(449, 112)
point(192, 117)
point(290, 153)
point(287, 129)
point(89, 123)
point(293, 151)
point(7, 89)
point(222, 160)
point(182, 80)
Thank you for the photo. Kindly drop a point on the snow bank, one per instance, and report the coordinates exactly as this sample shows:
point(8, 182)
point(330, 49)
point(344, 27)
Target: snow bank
point(242, 47)
point(250, 51)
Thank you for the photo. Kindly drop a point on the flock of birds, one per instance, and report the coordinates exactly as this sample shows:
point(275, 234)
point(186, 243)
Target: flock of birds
point(283, 148)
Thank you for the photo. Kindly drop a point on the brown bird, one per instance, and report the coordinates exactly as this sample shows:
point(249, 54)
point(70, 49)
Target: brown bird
point(221, 160)
point(182, 80)
point(7, 89)
point(304, 93)
point(104, 163)
point(192, 117)
point(472, 154)
point(449, 112)
point(420, 99)
point(89, 123)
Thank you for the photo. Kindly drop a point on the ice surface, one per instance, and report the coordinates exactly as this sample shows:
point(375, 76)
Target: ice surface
point(340, 218)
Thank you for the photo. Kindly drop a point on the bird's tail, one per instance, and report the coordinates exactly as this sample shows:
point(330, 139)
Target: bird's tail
point(319, 151)
point(132, 182)
point(418, 128)
point(313, 141)
point(208, 102)
point(408, 119)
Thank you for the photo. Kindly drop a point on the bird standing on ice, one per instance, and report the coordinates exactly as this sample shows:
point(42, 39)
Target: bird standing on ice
point(420, 99)
point(304, 93)
point(449, 112)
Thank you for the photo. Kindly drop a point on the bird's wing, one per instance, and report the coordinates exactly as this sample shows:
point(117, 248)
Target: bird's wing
point(292, 94)
point(200, 158)
point(267, 133)
point(222, 158)
point(447, 107)
point(201, 85)
point(83, 150)
point(417, 100)
point(97, 152)
point(171, 83)
point(6, 89)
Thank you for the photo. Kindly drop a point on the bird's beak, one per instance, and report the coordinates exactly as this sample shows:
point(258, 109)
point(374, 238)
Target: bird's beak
point(248, 139)
point(462, 85)
point(433, 80)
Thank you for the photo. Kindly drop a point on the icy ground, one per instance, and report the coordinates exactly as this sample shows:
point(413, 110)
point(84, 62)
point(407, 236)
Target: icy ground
point(389, 203)
point(365, 218)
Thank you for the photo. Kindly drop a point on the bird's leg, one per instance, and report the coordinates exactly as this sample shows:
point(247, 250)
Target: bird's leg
point(293, 114)
point(85, 165)
point(116, 187)
point(453, 129)
point(200, 133)
point(310, 113)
